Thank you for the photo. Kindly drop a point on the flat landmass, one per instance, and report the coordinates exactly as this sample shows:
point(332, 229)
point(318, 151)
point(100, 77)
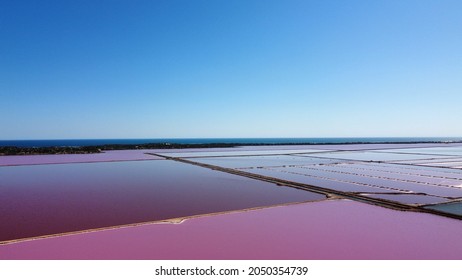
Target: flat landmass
point(254, 201)
point(56, 150)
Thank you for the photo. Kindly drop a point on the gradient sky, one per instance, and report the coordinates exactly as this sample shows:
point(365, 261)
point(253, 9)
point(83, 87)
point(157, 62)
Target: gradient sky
point(165, 69)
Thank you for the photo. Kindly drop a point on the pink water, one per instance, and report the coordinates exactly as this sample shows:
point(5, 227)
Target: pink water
point(49, 199)
point(319, 230)
point(123, 155)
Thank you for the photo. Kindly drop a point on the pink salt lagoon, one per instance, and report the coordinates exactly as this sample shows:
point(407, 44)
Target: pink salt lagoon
point(51, 199)
point(336, 229)
point(124, 155)
point(108, 205)
point(141, 154)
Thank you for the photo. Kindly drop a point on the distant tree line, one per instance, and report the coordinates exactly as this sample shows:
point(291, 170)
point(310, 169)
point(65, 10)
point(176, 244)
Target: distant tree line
point(56, 150)
point(7, 151)
point(12, 150)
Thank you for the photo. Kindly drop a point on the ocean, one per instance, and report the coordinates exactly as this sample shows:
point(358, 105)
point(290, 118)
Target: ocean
point(97, 142)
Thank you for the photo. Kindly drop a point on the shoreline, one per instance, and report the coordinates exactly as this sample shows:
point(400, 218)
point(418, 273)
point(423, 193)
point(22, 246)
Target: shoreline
point(95, 149)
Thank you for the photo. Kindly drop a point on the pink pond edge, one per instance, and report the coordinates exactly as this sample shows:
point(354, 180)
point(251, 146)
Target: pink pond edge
point(334, 229)
point(107, 156)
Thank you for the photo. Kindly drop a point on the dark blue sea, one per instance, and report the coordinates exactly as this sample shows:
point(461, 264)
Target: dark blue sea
point(95, 142)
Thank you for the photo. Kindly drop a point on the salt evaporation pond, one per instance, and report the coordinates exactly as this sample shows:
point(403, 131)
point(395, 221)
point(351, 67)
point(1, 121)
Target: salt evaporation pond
point(417, 199)
point(366, 178)
point(391, 174)
point(260, 161)
point(455, 163)
point(202, 153)
point(337, 229)
point(385, 147)
point(40, 200)
point(453, 208)
point(123, 155)
point(412, 169)
point(324, 182)
point(347, 176)
point(376, 156)
point(451, 151)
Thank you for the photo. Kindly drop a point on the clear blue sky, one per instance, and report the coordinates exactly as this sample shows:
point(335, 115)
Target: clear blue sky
point(165, 69)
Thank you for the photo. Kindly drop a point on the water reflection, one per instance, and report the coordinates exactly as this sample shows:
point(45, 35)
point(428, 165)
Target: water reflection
point(48, 199)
